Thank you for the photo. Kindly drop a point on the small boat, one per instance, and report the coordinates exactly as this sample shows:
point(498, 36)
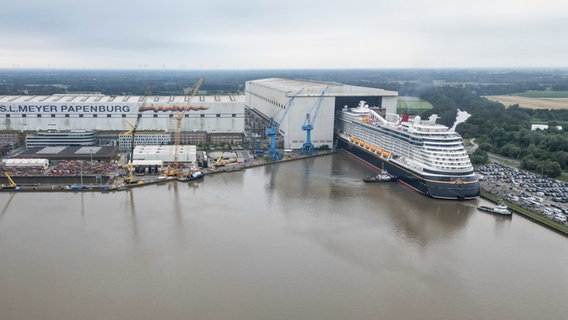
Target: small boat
point(383, 176)
point(121, 187)
point(197, 175)
point(501, 209)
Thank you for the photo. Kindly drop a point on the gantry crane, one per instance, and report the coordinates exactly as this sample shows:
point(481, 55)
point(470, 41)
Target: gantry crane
point(132, 131)
point(181, 113)
point(274, 128)
point(308, 147)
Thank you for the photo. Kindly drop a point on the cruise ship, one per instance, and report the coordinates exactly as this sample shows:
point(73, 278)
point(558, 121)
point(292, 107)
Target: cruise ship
point(425, 156)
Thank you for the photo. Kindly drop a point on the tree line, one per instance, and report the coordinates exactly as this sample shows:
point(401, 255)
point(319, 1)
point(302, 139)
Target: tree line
point(505, 131)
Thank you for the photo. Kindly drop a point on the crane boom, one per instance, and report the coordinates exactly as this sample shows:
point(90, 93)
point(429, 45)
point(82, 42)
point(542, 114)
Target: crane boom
point(318, 103)
point(11, 183)
point(274, 128)
point(308, 147)
point(177, 139)
point(132, 131)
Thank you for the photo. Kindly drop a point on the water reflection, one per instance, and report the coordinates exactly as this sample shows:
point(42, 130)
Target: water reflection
point(130, 207)
point(82, 204)
point(7, 205)
point(425, 220)
point(271, 173)
point(298, 240)
point(420, 219)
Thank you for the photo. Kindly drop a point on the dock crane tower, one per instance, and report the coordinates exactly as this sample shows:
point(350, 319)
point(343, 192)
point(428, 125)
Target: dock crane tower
point(175, 171)
point(308, 148)
point(274, 128)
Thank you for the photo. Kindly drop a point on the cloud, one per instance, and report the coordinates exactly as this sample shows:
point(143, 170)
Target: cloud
point(285, 34)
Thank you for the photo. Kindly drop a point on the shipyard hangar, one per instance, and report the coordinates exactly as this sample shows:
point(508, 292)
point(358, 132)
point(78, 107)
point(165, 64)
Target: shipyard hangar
point(270, 98)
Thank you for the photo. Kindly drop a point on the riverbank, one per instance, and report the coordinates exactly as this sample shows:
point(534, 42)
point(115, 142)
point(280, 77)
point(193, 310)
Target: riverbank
point(544, 221)
point(116, 182)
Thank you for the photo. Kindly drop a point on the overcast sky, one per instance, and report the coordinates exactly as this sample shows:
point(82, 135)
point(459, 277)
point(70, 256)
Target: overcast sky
point(261, 34)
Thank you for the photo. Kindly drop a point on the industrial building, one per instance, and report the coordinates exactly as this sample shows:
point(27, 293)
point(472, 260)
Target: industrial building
point(143, 139)
point(188, 137)
point(186, 153)
point(75, 153)
point(54, 138)
point(153, 159)
point(43, 163)
point(269, 98)
point(211, 120)
point(103, 113)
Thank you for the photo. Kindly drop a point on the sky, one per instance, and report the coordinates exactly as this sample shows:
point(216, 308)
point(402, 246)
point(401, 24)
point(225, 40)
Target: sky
point(291, 34)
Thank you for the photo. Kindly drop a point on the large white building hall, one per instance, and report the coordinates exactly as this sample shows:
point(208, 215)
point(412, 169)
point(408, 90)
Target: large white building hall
point(214, 114)
point(270, 97)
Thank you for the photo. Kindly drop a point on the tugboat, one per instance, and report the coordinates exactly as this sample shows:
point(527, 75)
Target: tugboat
point(382, 176)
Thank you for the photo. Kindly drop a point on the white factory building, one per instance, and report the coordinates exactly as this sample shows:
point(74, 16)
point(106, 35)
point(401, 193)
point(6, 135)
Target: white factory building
point(186, 153)
point(214, 114)
point(270, 97)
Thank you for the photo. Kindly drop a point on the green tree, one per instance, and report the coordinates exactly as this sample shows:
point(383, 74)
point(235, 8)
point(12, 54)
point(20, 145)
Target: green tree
point(550, 168)
point(479, 157)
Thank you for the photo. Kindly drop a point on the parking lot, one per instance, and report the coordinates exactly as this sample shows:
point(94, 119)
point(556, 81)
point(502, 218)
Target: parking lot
point(542, 195)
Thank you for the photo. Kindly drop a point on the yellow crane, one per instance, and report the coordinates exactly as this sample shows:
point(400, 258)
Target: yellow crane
point(11, 183)
point(175, 171)
point(132, 131)
point(219, 162)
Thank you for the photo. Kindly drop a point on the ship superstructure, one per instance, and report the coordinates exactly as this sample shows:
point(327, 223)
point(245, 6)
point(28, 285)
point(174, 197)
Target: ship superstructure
point(426, 156)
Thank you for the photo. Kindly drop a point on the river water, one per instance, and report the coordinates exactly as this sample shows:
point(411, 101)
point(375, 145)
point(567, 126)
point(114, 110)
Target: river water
point(305, 239)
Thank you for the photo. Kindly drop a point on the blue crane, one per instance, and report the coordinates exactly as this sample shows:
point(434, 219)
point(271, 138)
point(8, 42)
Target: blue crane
point(308, 147)
point(274, 128)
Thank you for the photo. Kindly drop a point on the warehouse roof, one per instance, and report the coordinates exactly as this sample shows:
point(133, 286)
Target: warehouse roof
point(100, 98)
point(75, 152)
point(315, 88)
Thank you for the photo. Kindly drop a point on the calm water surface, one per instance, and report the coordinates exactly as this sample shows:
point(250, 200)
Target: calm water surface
point(299, 240)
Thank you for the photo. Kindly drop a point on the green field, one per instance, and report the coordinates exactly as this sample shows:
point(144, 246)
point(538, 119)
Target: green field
point(412, 105)
point(542, 94)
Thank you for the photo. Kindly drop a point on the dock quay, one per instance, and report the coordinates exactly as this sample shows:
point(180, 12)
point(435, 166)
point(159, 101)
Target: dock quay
point(114, 182)
point(538, 198)
point(533, 216)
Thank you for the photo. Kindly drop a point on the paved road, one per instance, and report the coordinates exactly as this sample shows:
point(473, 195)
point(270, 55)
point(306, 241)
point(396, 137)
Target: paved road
point(498, 158)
